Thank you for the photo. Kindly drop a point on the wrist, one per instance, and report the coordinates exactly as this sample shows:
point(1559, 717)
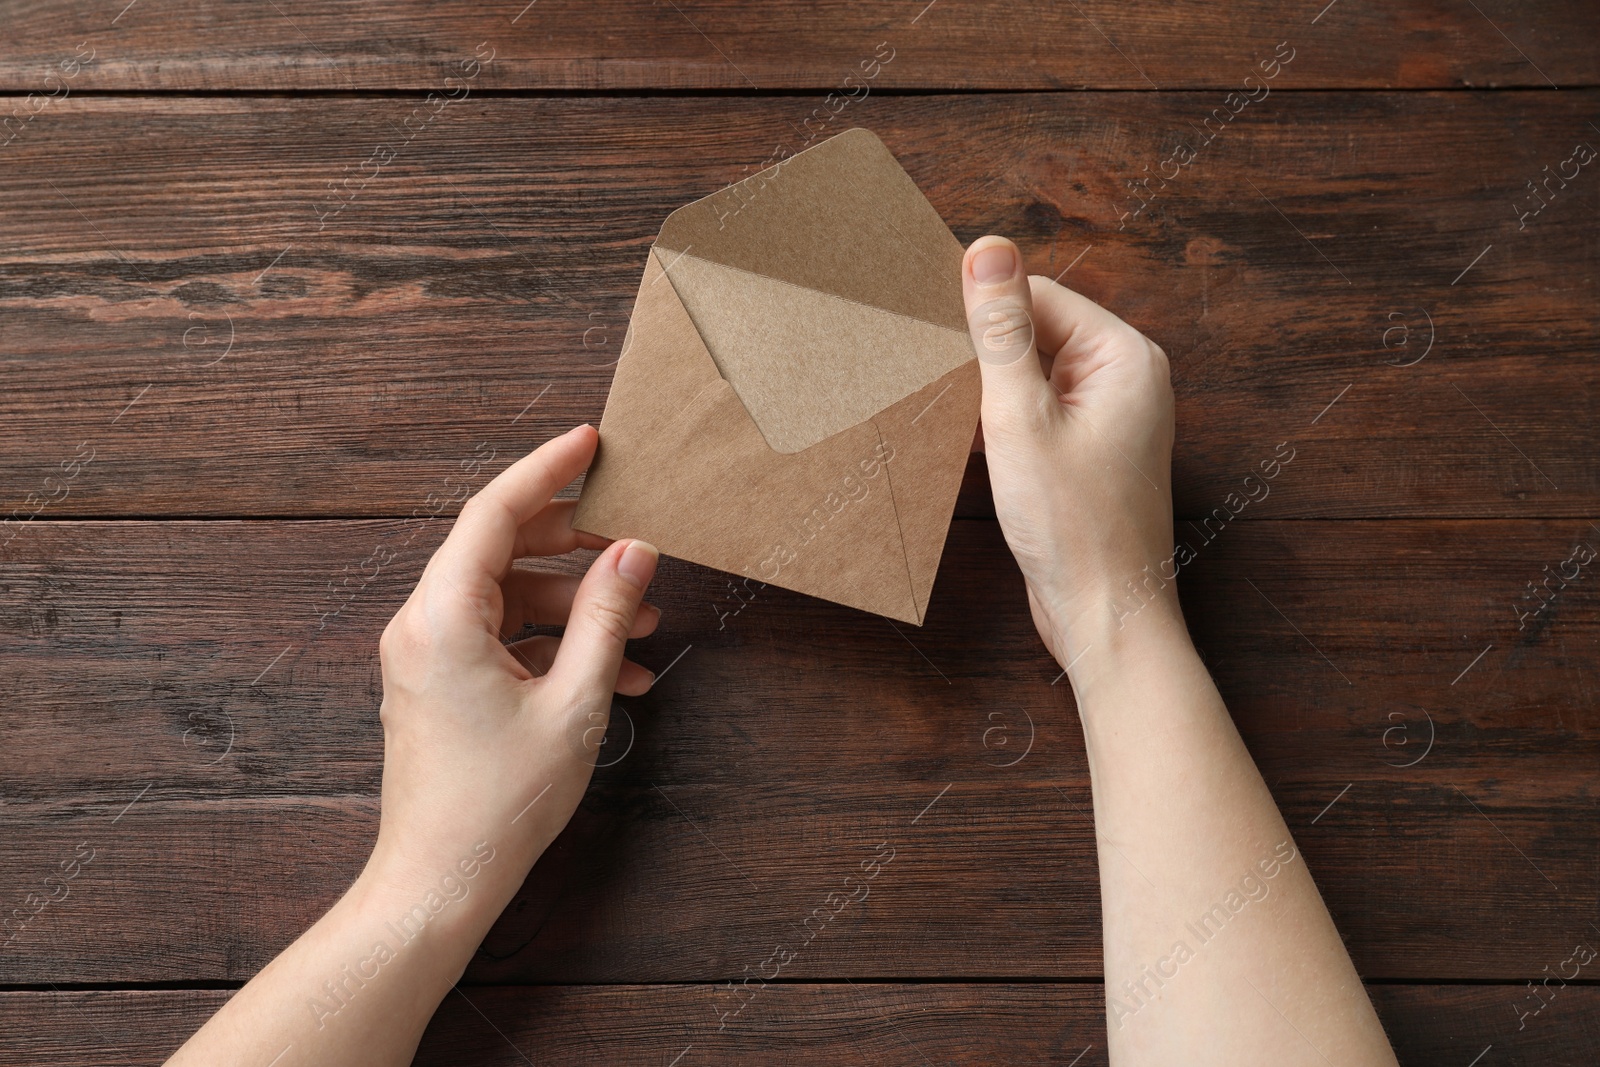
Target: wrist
point(1121, 630)
point(441, 904)
point(1100, 593)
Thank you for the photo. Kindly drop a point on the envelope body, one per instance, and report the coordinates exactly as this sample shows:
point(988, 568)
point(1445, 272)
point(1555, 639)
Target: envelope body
point(798, 392)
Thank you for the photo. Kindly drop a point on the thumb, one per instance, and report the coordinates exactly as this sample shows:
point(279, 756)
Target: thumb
point(603, 611)
point(1000, 316)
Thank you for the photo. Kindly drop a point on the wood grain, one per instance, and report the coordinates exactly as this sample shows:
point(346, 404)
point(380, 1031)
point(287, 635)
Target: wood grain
point(1432, 758)
point(174, 311)
point(913, 1025)
point(273, 312)
point(611, 44)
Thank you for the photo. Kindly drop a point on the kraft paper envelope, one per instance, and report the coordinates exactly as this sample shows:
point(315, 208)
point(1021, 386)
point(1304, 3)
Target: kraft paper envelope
point(798, 392)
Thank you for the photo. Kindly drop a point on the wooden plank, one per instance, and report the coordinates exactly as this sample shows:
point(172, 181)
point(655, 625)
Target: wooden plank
point(176, 314)
point(611, 44)
point(914, 1025)
point(183, 891)
point(166, 640)
point(192, 658)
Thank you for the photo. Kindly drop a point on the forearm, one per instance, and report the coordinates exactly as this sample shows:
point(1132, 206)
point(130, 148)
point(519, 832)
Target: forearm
point(1218, 948)
point(357, 988)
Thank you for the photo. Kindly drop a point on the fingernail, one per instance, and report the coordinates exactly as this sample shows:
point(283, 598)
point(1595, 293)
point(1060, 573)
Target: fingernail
point(638, 562)
point(995, 264)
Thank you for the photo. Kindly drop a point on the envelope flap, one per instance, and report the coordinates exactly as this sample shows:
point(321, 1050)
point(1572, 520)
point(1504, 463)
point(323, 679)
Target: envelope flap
point(807, 364)
point(843, 218)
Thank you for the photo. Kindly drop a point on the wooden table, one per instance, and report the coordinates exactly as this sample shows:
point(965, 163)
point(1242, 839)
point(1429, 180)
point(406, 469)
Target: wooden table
point(268, 310)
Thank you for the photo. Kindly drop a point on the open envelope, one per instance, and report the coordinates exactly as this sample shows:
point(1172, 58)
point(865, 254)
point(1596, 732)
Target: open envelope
point(798, 392)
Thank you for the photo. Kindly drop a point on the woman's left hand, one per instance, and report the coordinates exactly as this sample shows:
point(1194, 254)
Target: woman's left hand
point(490, 746)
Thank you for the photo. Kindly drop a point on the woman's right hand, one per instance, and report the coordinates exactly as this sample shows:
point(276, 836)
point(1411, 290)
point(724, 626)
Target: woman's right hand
point(1077, 431)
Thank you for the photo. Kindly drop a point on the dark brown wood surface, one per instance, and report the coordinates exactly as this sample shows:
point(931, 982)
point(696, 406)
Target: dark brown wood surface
point(1444, 800)
point(791, 1024)
point(726, 44)
point(180, 311)
point(242, 361)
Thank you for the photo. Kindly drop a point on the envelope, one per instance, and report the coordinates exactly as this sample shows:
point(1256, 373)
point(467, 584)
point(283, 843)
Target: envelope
point(798, 392)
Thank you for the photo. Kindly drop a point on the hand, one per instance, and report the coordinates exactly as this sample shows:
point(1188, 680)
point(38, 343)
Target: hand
point(488, 748)
point(475, 730)
point(1077, 432)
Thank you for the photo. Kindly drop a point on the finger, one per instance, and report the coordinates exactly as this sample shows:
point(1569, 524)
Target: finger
point(536, 655)
point(634, 680)
point(550, 533)
point(1075, 335)
point(603, 614)
point(538, 598)
point(1000, 317)
point(477, 554)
